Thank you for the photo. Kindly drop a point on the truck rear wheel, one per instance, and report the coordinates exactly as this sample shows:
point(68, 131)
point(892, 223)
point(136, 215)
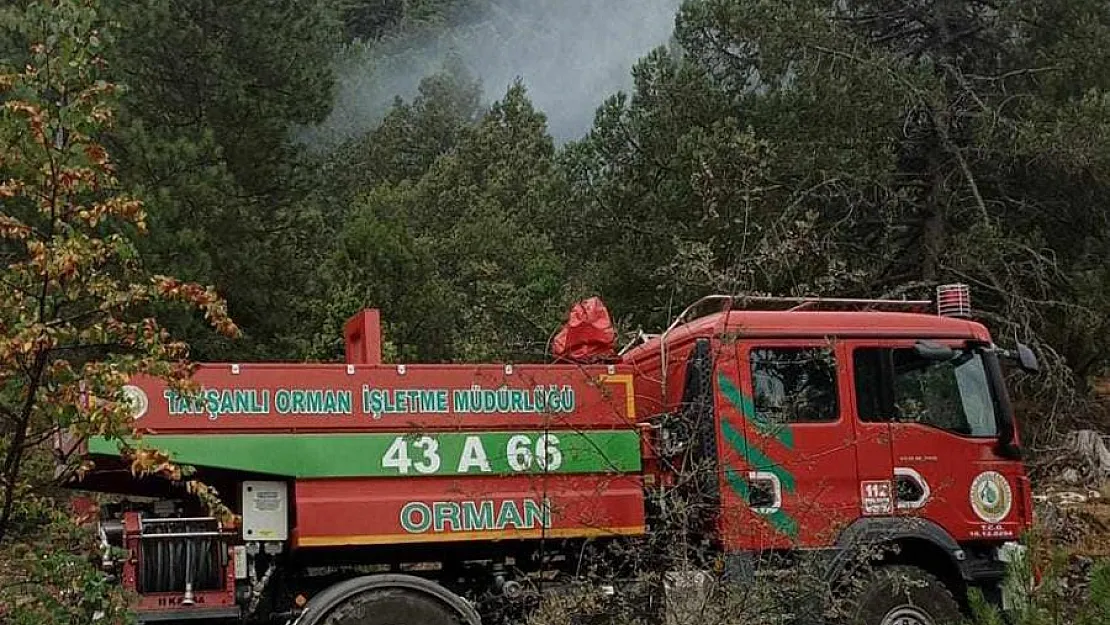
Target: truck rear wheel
point(392, 606)
point(904, 595)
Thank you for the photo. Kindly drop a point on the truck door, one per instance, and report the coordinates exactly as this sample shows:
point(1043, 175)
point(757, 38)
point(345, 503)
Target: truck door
point(941, 411)
point(801, 461)
point(874, 453)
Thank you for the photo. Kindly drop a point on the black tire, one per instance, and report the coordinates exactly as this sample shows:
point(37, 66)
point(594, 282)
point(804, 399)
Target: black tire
point(392, 606)
point(903, 595)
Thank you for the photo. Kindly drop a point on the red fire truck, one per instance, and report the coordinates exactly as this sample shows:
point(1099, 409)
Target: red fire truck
point(369, 493)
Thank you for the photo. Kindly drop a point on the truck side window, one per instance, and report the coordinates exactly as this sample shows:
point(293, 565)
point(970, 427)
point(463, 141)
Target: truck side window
point(870, 403)
point(898, 385)
point(794, 384)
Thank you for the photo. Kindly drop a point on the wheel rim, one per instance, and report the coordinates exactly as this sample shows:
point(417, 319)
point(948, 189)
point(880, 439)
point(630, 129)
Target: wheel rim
point(907, 615)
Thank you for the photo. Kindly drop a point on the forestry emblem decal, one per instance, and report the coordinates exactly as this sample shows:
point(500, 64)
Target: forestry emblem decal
point(991, 497)
point(138, 400)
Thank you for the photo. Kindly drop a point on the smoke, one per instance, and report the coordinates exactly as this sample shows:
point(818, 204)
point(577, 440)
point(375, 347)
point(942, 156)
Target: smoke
point(570, 54)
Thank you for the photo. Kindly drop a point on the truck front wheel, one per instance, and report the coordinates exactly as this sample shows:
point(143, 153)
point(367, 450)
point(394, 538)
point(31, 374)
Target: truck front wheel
point(904, 595)
point(392, 606)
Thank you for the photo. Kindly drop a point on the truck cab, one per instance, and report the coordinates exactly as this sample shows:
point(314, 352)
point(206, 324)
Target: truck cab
point(838, 423)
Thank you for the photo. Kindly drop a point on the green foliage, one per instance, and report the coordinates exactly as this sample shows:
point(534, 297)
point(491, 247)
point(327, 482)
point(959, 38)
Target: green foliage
point(1064, 594)
point(794, 148)
point(409, 140)
point(51, 576)
point(864, 148)
point(452, 256)
point(775, 147)
point(377, 19)
point(1096, 611)
point(748, 167)
point(75, 307)
point(206, 139)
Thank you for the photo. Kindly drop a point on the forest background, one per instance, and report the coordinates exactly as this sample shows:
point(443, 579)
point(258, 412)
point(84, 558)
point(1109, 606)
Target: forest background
point(309, 158)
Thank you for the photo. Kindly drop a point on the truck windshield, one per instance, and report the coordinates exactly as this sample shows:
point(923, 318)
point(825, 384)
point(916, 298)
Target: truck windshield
point(953, 395)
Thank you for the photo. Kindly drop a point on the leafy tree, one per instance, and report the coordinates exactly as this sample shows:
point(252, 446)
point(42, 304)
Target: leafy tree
point(411, 137)
point(206, 137)
point(374, 259)
point(453, 256)
point(377, 19)
point(75, 300)
point(50, 571)
point(870, 149)
point(1042, 588)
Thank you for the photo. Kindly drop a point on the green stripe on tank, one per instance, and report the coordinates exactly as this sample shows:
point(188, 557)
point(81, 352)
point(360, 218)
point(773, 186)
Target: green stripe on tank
point(399, 454)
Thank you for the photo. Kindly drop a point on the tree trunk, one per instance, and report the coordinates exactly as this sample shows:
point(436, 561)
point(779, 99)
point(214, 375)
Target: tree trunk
point(932, 237)
point(13, 459)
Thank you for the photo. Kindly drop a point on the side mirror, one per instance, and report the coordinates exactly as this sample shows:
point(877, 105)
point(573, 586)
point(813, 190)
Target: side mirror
point(1027, 360)
point(933, 351)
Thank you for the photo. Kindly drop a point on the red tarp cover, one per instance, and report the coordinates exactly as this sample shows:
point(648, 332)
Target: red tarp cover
point(588, 335)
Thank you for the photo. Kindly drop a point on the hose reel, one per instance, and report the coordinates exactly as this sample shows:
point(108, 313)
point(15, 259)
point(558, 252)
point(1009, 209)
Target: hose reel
point(182, 555)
